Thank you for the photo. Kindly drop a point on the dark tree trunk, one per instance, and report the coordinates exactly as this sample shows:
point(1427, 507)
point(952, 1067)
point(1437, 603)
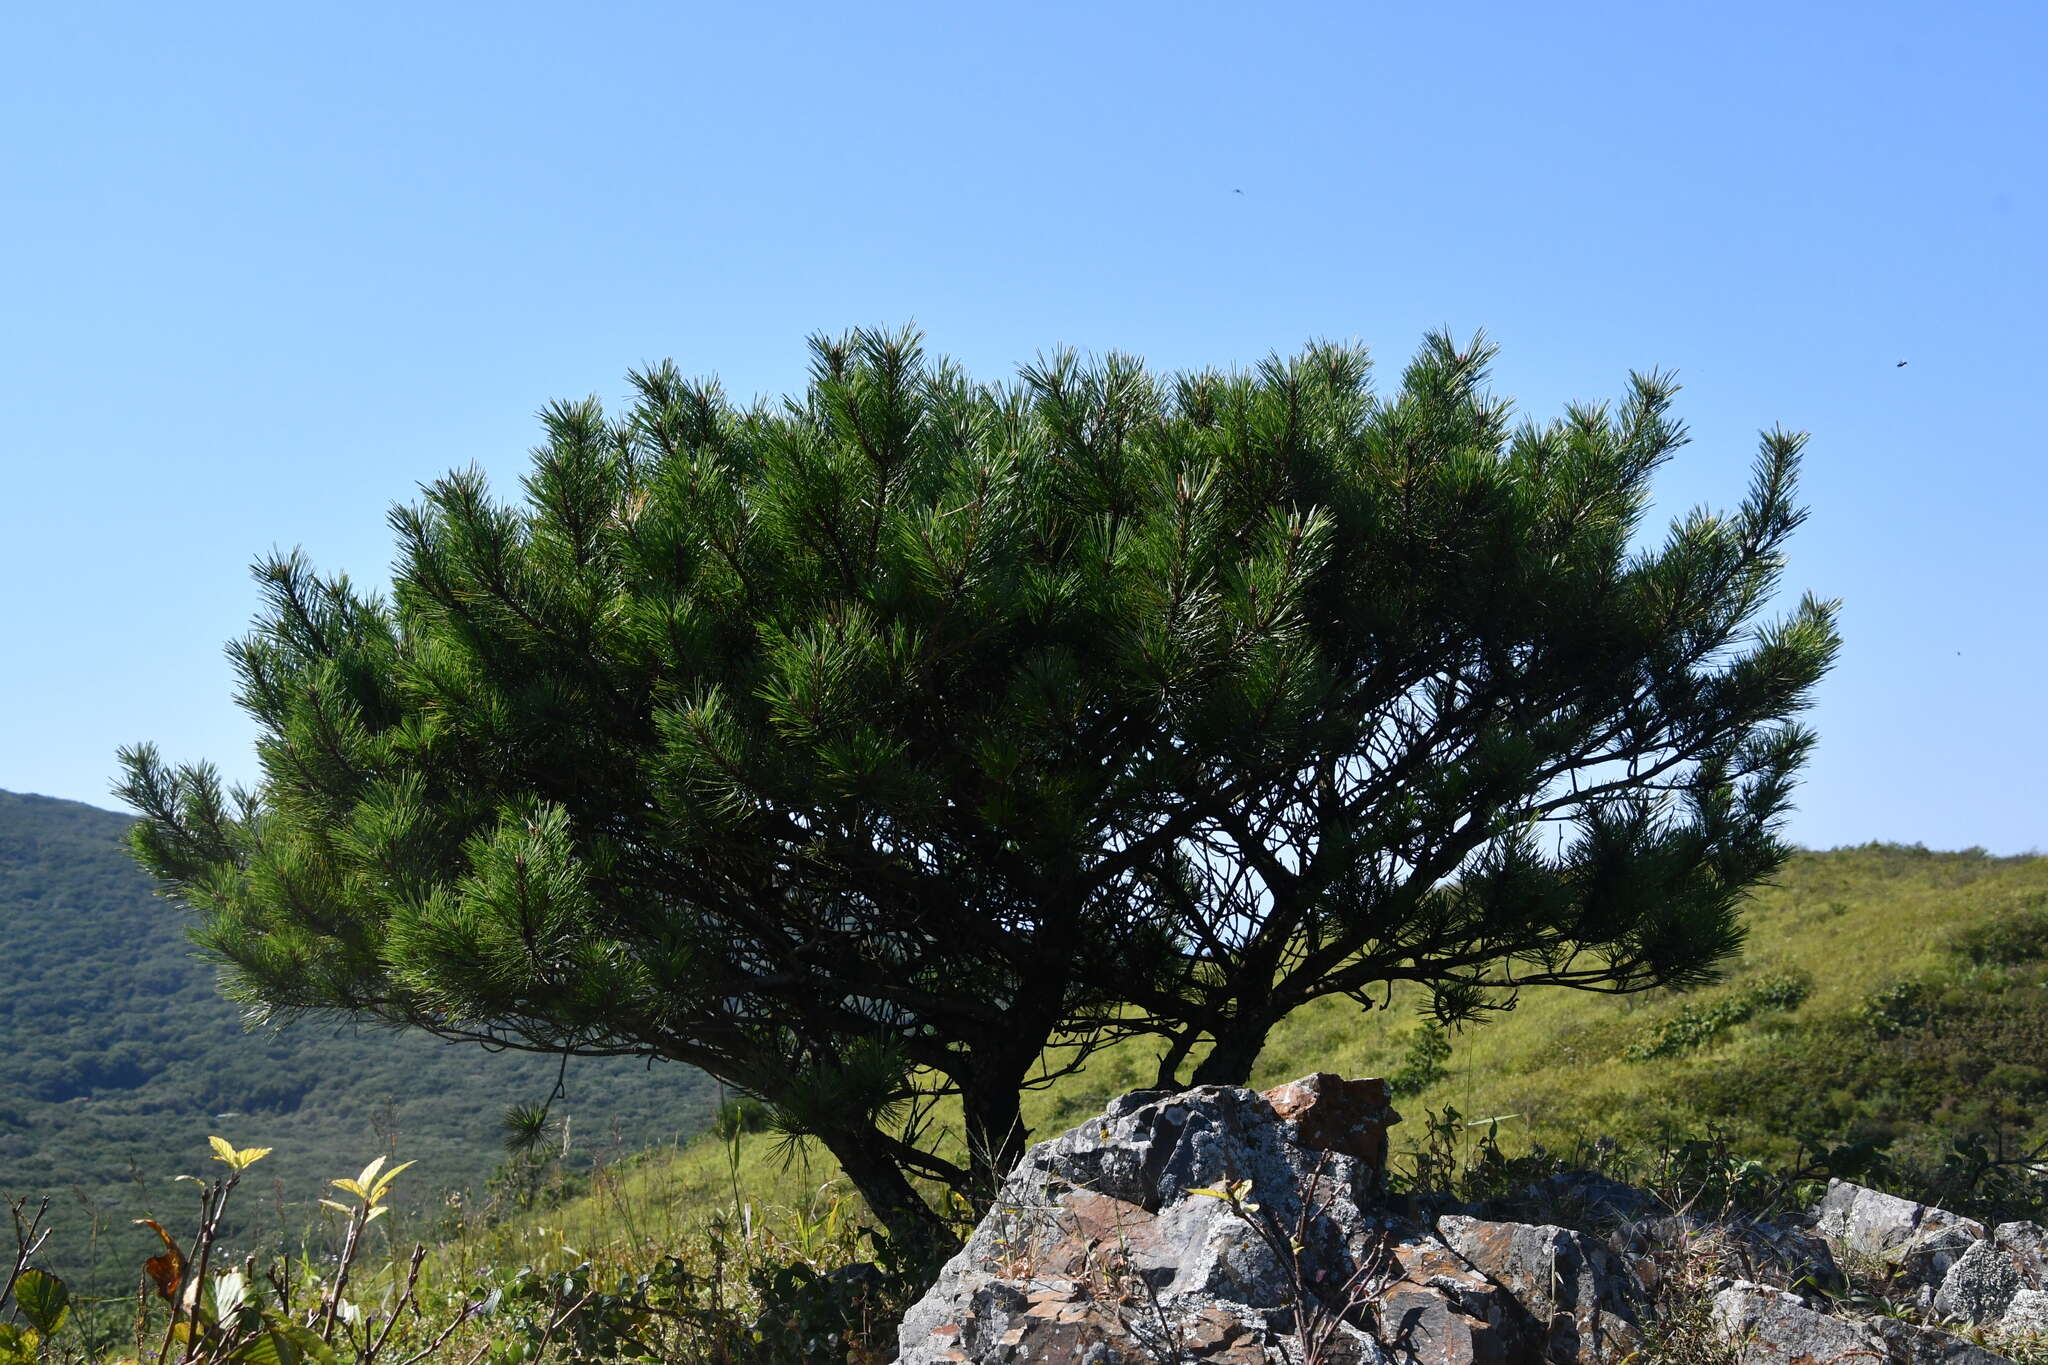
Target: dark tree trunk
point(912, 1223)
point(1230, 1061)
point(1168, 1075)
point(995, 1132)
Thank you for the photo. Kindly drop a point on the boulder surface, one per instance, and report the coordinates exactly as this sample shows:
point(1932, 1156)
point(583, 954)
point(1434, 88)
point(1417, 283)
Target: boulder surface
point(1221, 1225)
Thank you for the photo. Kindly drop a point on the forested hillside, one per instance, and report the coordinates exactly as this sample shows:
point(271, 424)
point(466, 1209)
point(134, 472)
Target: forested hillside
point(117, 1054)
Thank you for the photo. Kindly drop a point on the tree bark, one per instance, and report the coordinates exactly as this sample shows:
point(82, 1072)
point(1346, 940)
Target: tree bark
point(911, 1222)
point(994, 1123)
point(1230, 1061)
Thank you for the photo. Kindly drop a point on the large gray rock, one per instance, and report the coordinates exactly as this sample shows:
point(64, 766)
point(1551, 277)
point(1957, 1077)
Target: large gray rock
point(1771, 1327)
point(1872, 1223)
point(2027, 1314)
point(1574, 1290)
point(1442, 1308)
point(1979, 1285)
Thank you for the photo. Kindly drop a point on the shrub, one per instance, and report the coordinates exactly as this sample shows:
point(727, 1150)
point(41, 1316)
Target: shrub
point(2010, 940)
point(1694, 1025)
point(1425, 1065)
point(1898, 1007)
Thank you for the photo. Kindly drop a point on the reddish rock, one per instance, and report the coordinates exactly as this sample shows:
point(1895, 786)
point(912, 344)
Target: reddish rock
point(1332, 1114)
point(1441, 1310)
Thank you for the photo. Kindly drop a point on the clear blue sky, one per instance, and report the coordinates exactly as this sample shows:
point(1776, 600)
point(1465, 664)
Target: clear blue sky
point(267, 268)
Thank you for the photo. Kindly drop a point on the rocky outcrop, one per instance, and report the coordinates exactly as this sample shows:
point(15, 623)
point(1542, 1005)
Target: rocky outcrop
point(1574, 1290)
point(1774, 1325)
point(1779, 1253)
point(1185, 1220)
point(1964, 1276)
point(1871, 1223)
point(1221, 1225)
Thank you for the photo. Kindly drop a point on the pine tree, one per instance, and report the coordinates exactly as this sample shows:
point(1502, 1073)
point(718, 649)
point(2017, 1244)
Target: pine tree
point(916, 736)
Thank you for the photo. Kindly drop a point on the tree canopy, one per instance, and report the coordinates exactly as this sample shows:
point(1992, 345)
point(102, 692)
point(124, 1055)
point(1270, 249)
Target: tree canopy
point(913, 736)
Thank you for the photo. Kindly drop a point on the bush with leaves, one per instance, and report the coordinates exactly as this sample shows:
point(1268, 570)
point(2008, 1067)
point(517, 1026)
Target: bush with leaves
point(1694, 1026)
point(1426, 1063)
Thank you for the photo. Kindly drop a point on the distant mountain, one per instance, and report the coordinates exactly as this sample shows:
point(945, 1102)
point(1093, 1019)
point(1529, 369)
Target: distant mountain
point(119, 1057)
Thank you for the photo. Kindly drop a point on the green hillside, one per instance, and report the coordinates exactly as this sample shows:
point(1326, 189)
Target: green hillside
point(118, 1055)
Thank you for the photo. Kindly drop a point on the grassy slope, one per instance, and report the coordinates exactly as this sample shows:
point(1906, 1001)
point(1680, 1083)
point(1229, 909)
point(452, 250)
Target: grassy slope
point(1854, 919)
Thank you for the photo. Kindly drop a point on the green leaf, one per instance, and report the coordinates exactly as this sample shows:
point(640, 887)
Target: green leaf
point(265, 1348)
point(44, 1299)
point(18, 1344)
point(307, 1342)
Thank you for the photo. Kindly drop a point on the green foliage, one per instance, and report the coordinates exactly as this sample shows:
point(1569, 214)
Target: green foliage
point(1695, 1026)
point(43, 1299)
point(1426, 1062)
point(1897, 1007)
point(915, 737)
point(19, 1344)
point(740, 1289)
point(2016, 937)
point(739, 1116)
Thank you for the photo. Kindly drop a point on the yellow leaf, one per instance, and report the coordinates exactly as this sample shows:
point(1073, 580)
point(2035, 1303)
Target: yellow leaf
point(339, 1208)
point(240, 1158)
point(378, 1212)
point(351, 1187)
point(384, 1181)
point(370, 1172)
